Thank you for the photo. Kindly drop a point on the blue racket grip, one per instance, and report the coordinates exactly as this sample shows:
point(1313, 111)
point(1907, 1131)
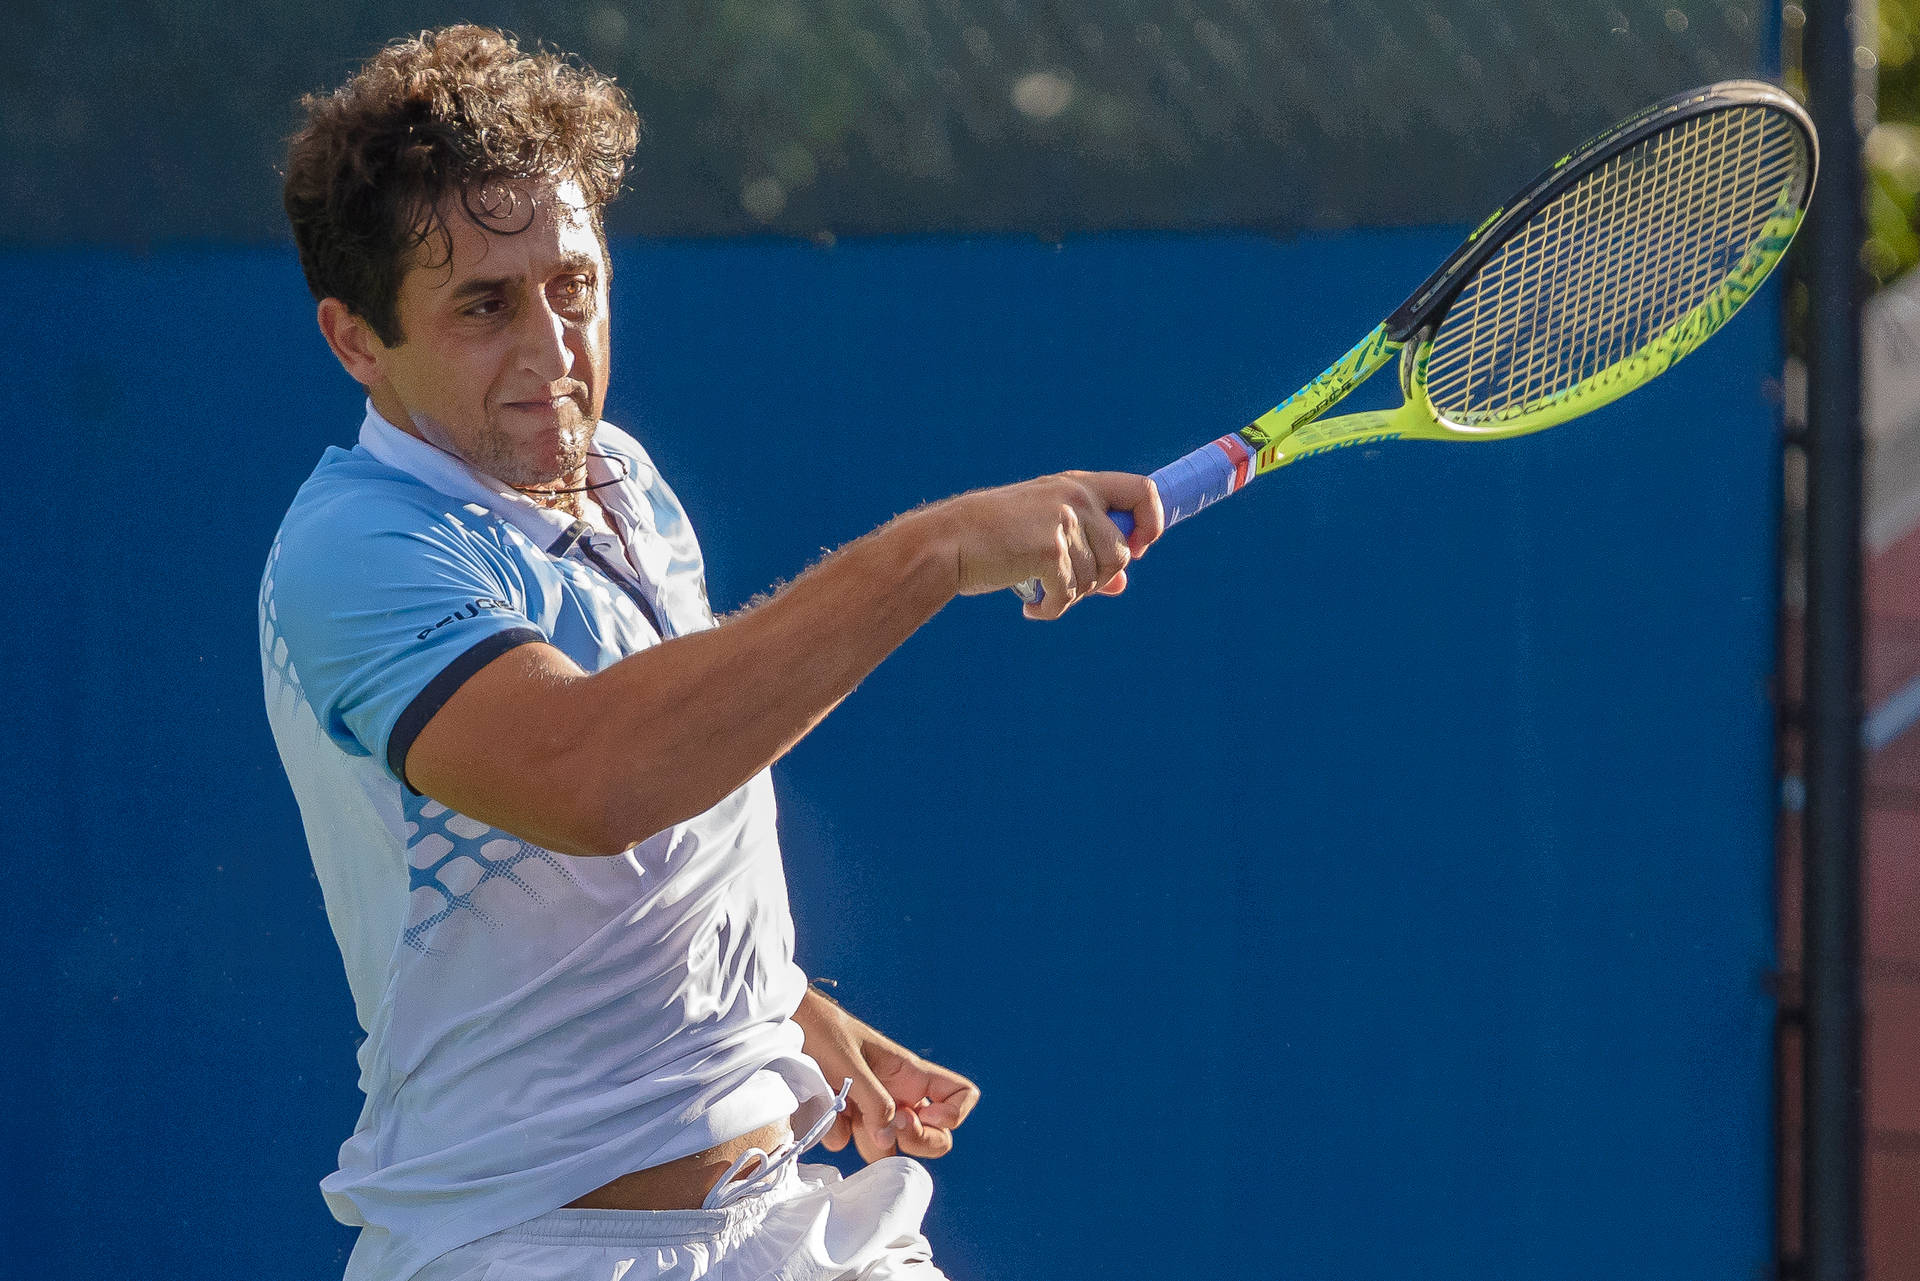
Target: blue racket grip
point(1186, 485)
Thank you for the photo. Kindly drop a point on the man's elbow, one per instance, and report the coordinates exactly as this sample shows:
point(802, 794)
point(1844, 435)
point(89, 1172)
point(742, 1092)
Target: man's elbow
point(571, 806)
point(588, 829)
point(612, 802)
point(582, 842)
point(612, 816)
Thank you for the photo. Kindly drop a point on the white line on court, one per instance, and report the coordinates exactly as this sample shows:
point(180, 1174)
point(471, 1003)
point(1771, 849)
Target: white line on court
point(1892, 718)
point(1883, 725)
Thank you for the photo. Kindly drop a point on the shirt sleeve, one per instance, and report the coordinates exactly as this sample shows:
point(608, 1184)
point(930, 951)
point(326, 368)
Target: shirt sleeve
point(384, 622)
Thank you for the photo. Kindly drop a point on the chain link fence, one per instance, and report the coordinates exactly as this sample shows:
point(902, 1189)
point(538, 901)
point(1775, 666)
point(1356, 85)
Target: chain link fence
point(146, 122)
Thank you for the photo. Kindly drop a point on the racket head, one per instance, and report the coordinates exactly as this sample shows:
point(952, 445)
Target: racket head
point(1608, 268)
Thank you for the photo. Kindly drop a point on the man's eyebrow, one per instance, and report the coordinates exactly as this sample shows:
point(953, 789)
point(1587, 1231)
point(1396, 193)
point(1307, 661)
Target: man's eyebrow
point(481, 285)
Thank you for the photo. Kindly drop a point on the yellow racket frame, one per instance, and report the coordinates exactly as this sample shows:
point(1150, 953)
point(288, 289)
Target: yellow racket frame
point(1289, 431)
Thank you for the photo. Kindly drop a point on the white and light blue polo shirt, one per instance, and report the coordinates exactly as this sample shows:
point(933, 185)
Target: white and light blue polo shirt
point(537, 1025)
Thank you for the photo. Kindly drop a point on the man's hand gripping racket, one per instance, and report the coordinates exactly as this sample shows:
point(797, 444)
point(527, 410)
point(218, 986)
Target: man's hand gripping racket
point(1597, 278)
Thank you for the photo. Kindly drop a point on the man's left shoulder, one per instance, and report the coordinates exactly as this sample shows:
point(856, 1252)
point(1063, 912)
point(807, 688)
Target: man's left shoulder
point(612, 440)
point(669, 517)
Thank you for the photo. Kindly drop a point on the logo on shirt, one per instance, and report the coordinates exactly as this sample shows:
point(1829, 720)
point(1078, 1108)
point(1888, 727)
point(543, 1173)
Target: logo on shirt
point(470, 610)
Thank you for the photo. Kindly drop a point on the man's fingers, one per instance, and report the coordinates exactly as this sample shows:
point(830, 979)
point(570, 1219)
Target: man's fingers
point(948, 1110)
point(940, 1100)
point(1086, 565)
point(930, 1141)
point(877, 1114)
point(874, 1135)
point(1135, 495)
point(873, 1144)
point(1110, 551)
point(1087, 520)
point(1055, 583)
point(907, 1127)
point(835, 1139)
point(911, 1135)
point(1061, 531)
point(870, 1101)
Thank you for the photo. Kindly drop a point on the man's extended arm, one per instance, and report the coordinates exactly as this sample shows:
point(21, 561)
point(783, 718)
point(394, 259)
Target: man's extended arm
point(594, 764)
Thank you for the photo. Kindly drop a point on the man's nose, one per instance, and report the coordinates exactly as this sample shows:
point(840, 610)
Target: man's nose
point(543, 346)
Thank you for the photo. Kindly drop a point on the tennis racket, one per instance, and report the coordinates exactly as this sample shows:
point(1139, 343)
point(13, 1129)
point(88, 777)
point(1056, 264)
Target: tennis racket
point(1601, 274)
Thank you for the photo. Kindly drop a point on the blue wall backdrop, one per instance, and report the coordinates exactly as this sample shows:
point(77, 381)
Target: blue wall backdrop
point(1380, 888)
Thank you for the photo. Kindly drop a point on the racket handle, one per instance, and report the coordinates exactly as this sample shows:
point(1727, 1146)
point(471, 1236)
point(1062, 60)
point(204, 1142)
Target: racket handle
point(1202, 478)
point(1187, 484)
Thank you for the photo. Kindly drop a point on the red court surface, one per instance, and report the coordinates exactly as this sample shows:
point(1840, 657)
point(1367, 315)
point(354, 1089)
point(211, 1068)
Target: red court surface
point(1890, 969)
point(1892, 920)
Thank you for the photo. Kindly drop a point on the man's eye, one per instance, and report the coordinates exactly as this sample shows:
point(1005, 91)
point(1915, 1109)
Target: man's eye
point(487, 307)
point(574, 293)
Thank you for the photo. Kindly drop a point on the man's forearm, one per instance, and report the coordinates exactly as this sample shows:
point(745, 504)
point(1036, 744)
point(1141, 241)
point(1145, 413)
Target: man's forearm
point(676, 728)
point(594, 764)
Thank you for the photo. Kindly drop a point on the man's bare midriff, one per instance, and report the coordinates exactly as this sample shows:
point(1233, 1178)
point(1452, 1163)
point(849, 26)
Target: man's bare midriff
point(681, 1184)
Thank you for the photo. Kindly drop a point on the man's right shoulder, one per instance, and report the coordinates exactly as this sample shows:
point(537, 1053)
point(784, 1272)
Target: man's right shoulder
point(351, 492)
point(357, 519)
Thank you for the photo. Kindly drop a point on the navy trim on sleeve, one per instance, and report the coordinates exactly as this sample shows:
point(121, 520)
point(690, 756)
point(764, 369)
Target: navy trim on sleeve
point(442, 687)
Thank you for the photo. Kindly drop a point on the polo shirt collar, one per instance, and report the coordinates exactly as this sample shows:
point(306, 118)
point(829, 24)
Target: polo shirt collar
point(456, 478)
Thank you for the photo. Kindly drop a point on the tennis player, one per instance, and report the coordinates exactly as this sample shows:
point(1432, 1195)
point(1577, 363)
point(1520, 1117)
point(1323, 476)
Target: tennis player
point(532, 766)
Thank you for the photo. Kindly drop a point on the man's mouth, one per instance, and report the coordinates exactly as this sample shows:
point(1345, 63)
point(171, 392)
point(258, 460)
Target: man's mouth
point(573, 395)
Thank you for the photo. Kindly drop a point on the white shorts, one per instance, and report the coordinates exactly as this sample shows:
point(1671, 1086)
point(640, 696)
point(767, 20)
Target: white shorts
point(813, 1225)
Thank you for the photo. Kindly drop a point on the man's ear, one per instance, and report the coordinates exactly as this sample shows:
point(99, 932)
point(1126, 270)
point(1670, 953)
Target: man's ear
point(355, 345)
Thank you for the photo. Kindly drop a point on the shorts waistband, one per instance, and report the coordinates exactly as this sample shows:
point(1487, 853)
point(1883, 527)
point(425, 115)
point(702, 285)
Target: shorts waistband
point(652, 1227)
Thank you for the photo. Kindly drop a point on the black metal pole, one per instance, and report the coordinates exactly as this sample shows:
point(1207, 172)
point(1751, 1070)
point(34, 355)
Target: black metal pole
point(1831, 1230)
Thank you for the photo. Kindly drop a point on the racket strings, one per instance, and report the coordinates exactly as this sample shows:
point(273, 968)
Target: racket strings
point(1613, 262)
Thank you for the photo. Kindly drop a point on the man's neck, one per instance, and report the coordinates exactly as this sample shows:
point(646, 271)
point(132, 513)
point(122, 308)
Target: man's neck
point(581, 504)
point(569, 499)
point(578, 504)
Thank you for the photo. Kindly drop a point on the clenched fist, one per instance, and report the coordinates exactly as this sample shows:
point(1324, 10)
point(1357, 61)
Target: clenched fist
point(1054, 529)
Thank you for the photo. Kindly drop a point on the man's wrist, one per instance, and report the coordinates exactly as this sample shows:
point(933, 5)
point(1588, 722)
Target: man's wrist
point(814, 1004)
point(931, 535)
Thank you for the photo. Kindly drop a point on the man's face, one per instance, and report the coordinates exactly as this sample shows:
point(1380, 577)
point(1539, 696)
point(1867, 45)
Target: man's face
point(504, 356)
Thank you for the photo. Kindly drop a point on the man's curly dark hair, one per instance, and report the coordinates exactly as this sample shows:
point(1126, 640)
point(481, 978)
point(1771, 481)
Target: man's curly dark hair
point(450, 113)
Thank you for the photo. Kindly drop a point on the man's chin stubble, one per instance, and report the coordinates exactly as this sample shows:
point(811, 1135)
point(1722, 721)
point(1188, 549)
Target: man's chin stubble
point(577, 442)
